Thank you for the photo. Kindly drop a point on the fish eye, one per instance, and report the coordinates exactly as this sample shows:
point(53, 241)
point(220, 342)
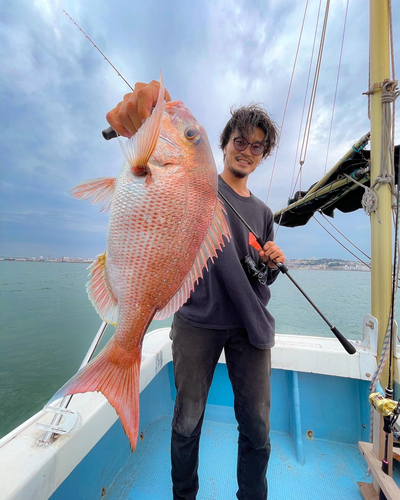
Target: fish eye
point(193, 134)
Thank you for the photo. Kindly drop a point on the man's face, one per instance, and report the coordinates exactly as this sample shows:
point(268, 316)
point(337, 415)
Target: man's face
point(242, 163)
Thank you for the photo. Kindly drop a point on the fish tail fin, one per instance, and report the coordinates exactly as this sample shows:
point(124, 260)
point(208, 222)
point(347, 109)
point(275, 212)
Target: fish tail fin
point(139, 148)
point(116, 376)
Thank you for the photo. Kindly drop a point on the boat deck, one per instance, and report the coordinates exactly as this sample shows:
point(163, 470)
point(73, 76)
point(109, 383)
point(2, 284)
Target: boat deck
point(331, 470)
point(317, 419)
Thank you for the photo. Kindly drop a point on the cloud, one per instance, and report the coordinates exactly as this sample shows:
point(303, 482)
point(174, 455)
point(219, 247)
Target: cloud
point(56, 89)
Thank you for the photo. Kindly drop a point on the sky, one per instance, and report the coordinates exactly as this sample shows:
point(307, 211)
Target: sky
point(55, 90)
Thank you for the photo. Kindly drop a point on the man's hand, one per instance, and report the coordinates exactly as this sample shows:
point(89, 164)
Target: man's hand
point(271, 252)
point(129, 115)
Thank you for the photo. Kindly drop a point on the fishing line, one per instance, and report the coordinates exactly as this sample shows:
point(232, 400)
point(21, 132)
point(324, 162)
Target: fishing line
point(95, 46)
point(108, 133)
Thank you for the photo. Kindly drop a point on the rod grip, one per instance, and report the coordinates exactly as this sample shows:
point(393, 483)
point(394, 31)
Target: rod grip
point(109, 133)
point(345, 343)
point(282, 268)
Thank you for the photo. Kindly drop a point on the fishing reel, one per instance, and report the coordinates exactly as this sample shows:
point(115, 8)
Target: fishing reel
point(260, 272)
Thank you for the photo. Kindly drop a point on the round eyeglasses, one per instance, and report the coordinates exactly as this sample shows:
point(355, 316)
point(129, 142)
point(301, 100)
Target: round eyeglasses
point(241, 144)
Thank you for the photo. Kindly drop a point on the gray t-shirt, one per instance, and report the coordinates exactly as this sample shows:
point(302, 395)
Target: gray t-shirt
point(225, 298)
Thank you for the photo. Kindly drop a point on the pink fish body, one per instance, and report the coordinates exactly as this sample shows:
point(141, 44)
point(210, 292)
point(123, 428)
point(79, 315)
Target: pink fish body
point(165, 223)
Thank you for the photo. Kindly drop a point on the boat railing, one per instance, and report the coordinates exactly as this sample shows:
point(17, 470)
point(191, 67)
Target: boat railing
point(55, 428)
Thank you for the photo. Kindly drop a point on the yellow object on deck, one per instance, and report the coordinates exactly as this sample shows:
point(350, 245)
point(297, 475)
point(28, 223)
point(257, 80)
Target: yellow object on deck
point(382, 405)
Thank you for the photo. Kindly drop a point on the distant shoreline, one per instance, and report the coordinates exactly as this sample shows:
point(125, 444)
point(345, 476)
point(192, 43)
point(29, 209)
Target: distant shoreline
point(291, 267)
point(50, 261)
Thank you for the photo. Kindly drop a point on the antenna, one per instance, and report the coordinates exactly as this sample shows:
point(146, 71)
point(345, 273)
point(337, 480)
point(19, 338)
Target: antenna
point(95, 46)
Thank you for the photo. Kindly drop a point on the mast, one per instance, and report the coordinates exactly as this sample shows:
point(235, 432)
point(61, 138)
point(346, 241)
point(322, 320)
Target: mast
point(381, 233)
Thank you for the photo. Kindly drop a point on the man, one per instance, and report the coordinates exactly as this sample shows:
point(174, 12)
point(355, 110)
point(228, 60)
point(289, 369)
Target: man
point(227, 309)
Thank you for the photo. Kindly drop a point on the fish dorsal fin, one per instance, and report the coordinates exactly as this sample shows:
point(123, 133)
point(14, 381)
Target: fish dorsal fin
point(208, 250)
point(100, 292)
point(101, 190)
point(139, 148)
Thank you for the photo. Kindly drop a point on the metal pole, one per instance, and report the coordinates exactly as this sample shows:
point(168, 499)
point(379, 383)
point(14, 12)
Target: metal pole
point(46, 439)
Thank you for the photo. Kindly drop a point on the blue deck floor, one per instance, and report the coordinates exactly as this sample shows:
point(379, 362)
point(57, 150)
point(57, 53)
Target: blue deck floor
point(331, 471)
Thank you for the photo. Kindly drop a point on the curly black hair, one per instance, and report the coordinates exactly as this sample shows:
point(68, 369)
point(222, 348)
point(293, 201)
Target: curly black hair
point(245, 119)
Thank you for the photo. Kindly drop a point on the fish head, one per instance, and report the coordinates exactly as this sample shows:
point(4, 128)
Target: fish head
point(183, 141)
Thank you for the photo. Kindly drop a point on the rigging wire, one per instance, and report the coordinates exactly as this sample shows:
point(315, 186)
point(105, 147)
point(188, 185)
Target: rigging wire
point(359, 249)
point(360, 260)
point(340, 243)
point(305, 100)
point(287, 101)
point(307, 130)
point(393, 66)
point(337, 83)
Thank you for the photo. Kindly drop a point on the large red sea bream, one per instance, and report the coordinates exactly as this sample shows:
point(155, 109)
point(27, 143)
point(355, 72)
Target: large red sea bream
point(165, 223)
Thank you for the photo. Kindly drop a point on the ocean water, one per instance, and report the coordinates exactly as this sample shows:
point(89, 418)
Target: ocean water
point(48, 324)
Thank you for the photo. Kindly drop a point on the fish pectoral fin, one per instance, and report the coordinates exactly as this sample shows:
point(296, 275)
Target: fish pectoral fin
point(100, 292)
point(213, 241)
point(100, 190)
point(139, 148)
point(116, 376)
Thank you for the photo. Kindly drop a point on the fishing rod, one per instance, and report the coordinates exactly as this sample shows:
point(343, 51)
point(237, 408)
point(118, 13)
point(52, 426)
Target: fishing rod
point(284, 270)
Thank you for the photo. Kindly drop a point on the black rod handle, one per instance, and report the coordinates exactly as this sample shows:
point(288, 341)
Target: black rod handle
point(345, 343)
point(341, 338)
point(109, 133)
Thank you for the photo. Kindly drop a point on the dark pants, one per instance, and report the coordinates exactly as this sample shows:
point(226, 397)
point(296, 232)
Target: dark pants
point(195, 353)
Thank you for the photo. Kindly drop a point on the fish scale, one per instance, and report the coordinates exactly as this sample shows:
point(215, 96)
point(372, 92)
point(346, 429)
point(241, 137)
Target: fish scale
point(166, 223)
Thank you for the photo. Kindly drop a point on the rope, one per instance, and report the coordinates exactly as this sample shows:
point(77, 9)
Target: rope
point(287, 101)
point(369, 201)
point(389, 94)
point(337, 82)
point(378, 373)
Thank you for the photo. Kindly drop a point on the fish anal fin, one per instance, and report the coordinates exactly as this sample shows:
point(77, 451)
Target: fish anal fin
point(139, 148)
point(212, 242)
point(117, 381)
point(100, 292)
point(100, 191)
